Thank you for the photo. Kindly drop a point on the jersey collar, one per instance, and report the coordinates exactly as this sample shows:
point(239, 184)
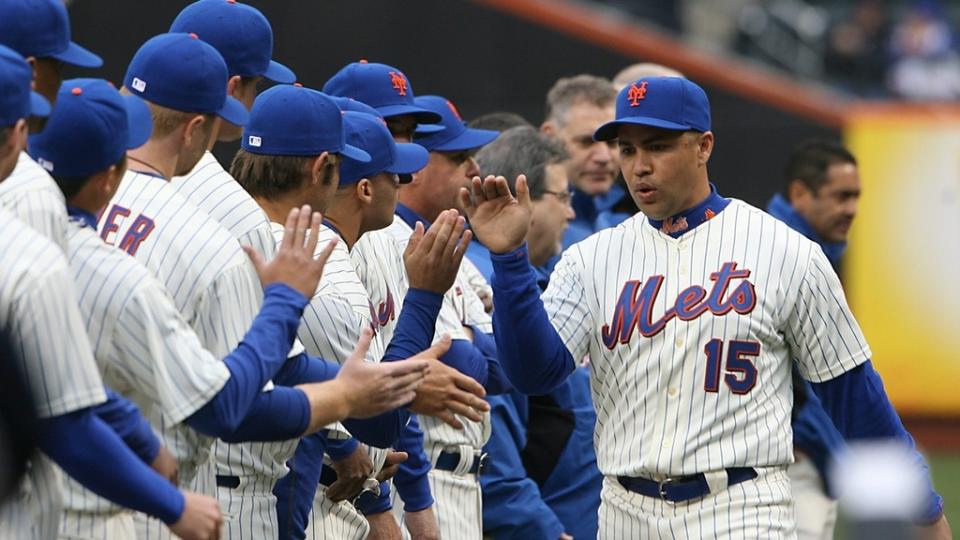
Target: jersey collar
point(690, 219)
point(82, 217)
point(410, 217)
point(334, 228)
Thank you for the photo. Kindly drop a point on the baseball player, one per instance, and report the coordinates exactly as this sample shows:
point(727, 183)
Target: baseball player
point(37, 301)
point(691, 314)
point(40, 32)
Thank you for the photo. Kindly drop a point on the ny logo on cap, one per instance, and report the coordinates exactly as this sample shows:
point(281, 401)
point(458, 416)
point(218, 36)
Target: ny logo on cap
point(254, 141)
point(636, 93)
point(399, 82)
point(139, 84)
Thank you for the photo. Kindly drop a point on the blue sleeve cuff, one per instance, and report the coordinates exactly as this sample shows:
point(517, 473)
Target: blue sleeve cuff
point(416, 325)
point(286, 294)
point(369, 505)
point(339, 449)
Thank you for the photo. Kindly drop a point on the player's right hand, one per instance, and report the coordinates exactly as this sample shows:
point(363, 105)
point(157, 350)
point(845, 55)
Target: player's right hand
point(446, 393)
point(294, 264)
point(391, 465)
point(432, 258)
point(166, 465)
point(201, 518)
point(497, 218)
point(372, 388)
point(352, 471)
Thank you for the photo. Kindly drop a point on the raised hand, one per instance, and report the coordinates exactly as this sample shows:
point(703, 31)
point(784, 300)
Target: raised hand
point(201, 518)
point(294, 263)
point(497, 218)
point(432, 258)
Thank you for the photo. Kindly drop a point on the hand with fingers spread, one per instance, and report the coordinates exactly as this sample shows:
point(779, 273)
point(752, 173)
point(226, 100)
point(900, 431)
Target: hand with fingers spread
point(446, 393)
point(391, 465)
point(352, 471)
point(433, 257)
point(201, 518)
point(497, 218)
point(294, 264)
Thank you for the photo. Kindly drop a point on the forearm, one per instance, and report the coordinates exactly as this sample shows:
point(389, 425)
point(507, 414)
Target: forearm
point(411, 481)
point(415, 325)
point(125, 420)
point(89, 451)
point(858, 405)
point(278, 415)
point(531, 352)
point(497, 380)
point(379, 431)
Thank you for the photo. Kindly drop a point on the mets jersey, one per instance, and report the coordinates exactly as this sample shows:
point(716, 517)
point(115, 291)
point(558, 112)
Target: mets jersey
point(691, 338)
point(203, 268)
point(144, 348)
point(461, 306)
point(33, 197)
point(38, 310)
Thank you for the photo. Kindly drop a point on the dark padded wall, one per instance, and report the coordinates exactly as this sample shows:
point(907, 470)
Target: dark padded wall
point(482, 59)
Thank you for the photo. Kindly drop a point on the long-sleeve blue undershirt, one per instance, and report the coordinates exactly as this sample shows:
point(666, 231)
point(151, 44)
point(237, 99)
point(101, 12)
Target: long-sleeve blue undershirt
point(411, 480)
point(86, 448)
point(125, 420)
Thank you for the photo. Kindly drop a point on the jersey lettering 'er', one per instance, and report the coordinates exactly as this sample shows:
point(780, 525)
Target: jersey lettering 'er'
point(134, 236)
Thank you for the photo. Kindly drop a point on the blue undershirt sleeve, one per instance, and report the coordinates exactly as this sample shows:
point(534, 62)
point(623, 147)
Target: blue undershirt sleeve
point(368, 505)
point(411, 480)
point(339, 449)
point(860, 409)
point(497, 381)
point(278, 415)
point(295, 491)
point(261, 354)
point(415, 326)
point(531, 352)
point(126, 421)
point(89, 451)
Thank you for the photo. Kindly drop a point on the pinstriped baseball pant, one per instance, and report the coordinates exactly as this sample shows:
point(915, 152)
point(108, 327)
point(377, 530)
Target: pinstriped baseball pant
point(761, 508)
point(338, 520)
point(457, 505)
point(250, 510)
point(94, 526)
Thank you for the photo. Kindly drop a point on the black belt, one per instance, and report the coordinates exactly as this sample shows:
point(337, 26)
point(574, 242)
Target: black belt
point(231, 482)
point(683, 488)
point(449, 461)
point(328, 475)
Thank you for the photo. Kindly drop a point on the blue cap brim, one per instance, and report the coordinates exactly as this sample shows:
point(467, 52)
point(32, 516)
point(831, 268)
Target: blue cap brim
point(139, 121)
point(234, 112)
point(423, 116)
point(468, 140)
point(76, 55)
point(355, 153)
point(429, 129)
point(610, 130)
point(410, 159)
point(39, 106)
point(280, 73)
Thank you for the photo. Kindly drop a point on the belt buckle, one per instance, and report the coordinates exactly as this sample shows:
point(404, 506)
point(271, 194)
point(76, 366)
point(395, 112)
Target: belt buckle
point(482, 462)
point(662, 488)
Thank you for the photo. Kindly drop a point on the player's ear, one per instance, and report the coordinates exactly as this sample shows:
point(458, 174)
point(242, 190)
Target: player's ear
point(234, 86)
point(548, 128)
point(194, 127)
point(316, 168)
point(32, 60)
point(365, 190)
point(17, 141)
point(798, 193)
point(704, 148)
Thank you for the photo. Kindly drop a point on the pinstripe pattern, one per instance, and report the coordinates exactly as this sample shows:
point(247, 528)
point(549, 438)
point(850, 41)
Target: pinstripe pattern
point(145, 351)
point(816, 513)
point(37, 301)
point(250, 510)
point(339, 520)
point(213, 285)
point(330, 329)
point(458, 505)
point(654, 416)
point(475, 279)
point(756, 509)
point(83, 526)
point(31, 195)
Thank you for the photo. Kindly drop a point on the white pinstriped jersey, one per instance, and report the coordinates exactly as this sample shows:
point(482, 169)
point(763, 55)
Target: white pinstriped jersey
point(338, 313)
point(461, 306)
point(691, 338)
point(477, 282)
point(144, 348)
point(38, 312)
point(33, 197)
point(209, 277)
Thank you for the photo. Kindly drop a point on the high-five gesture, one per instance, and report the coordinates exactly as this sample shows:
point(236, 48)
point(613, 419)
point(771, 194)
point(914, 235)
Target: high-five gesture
point(498, 219)
point(432, 258)
point(294, 263)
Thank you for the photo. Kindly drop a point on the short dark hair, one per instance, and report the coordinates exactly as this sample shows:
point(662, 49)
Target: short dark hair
point(71, 185)
point(268, 177)
point(499, 121)
point(522, 150)
point(5, 134)
point(810, 160)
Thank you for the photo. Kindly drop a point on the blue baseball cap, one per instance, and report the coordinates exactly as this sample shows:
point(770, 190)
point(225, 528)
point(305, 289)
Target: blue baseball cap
point(383, 87)
point(240, 33)
point(90, 129)
point(671, 103)
point(370, 133)
point(17, 100)
point(456, 136)
point(181, 72)
point(290, 120)
point(350, 104)
point(41, 28)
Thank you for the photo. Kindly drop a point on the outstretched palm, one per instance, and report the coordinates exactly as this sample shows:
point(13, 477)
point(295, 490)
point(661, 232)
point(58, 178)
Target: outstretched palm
point(498, 219)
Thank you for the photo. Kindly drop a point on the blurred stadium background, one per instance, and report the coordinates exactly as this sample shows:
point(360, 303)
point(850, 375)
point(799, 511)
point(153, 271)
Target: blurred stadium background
point(882, 75)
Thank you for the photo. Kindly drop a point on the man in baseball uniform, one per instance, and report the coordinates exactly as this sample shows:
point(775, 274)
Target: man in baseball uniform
point(36, 302)
point(40, 32)
point(693, 314)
